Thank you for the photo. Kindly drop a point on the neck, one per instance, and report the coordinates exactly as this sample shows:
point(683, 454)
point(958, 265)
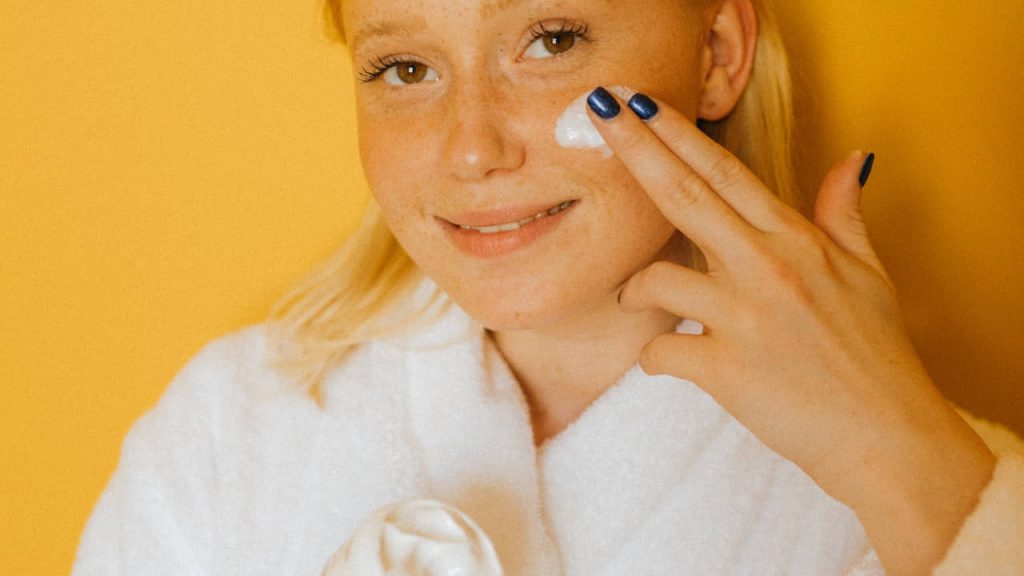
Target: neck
point(562, 369)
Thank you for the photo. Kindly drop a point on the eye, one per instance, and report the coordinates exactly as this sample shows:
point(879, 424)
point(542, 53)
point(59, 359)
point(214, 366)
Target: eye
point(403, 73)
point(551, 40)
point(398, 71)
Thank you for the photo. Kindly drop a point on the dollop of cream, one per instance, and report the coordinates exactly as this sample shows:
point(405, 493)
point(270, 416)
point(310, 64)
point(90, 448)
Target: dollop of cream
point(574, 128)
point(417, 537)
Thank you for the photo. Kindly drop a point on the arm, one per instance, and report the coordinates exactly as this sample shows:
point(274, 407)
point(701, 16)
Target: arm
point(990, 541)
point(804, 342)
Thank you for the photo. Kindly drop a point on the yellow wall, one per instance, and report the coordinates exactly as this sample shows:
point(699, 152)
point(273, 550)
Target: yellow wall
point(167, 169)
point(935, 89)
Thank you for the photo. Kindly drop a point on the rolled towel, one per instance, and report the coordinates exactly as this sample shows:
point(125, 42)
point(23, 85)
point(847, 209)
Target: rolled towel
point(416, 537)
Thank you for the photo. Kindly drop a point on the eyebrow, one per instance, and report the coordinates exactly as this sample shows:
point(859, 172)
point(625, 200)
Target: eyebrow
point(418, 23)
point(388, 28)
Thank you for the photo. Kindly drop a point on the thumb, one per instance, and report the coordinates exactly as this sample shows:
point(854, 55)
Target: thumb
point(837, 208)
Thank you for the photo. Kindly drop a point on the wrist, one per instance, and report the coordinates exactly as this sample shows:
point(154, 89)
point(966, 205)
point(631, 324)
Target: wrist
point(913, 491)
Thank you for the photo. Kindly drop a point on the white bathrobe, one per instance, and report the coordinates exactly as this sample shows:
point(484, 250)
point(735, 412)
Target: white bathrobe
point(236, 472)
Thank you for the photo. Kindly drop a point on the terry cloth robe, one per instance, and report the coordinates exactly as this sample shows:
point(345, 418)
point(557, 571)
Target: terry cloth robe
point(236, 472)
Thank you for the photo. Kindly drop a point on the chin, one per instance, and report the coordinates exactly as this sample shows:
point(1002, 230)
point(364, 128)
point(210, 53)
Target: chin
point(528, 308)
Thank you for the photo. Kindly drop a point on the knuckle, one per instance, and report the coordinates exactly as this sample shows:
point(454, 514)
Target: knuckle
point(786, 280)
point(794, 284)
point(726, 170)
point(654, 358)
point(655, 282)
point(811, 244)
point(646, 282)
point(659, 273)
point(819, 253)
point(761, 254)
point(688, 190)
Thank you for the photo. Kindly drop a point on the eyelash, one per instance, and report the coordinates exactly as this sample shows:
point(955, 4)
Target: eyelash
point(578, 29)
point(377, 67)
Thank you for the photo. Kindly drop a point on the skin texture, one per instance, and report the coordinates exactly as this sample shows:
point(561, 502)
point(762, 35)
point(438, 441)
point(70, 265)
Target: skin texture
point(481, 138)
point(804, 344)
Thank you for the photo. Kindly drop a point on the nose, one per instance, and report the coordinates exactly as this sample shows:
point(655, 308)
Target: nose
point(480, 142)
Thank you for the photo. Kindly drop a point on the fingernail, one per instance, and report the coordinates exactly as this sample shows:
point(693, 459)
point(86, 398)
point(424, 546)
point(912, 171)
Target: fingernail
point(643, 106)
point(603, 104)
point(865, 171)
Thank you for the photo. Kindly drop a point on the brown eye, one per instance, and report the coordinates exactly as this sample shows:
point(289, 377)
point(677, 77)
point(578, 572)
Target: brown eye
point(556, 40)
point(404, 73)
point(411, 72)
point(559, 42)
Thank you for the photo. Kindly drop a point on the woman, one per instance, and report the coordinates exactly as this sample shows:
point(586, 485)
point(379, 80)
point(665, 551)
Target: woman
point(785, 426)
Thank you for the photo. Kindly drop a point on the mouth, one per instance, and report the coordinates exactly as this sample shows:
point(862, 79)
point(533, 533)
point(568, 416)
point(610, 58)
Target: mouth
point(498, 233)
point(517, 223)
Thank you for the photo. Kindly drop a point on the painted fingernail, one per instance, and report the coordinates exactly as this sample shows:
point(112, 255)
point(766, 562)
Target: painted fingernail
point(603, 104)
point(643, 106)
point(865, 171)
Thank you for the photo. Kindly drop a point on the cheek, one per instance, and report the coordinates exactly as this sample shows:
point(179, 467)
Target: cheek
point(633, 228)
point(393, 168)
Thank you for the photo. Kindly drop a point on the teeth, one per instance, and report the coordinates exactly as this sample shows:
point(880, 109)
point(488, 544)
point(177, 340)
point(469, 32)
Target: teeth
point(517, 225)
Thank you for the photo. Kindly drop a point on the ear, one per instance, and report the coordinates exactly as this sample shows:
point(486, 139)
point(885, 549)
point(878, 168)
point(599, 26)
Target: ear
point(728, 58)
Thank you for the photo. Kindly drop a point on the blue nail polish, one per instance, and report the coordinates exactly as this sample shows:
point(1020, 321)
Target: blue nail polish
point(643, 106)
point(865, 171)
point(603, 104)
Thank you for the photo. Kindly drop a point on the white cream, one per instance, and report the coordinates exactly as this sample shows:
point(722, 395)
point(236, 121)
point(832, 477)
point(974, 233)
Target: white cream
point(417, 538)
point(574, 128)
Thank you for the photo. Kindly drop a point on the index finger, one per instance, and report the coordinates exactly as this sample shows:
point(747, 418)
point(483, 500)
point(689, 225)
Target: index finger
point(723, 171)
point(681, 194)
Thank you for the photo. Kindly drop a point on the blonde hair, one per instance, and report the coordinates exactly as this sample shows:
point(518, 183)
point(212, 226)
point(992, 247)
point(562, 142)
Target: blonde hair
point(363, 292)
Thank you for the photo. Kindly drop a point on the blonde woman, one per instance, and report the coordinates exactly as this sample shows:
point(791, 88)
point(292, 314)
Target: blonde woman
point(582, 315)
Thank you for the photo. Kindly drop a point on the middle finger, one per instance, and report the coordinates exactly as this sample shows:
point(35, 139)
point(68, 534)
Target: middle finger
point(720, 168)
point(682, 195)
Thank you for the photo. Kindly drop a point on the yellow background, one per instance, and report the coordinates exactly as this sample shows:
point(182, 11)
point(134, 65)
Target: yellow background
point(168, 168)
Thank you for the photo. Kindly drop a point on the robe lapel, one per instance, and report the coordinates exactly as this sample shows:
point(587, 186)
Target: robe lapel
point(608, 473)
point(470, 424)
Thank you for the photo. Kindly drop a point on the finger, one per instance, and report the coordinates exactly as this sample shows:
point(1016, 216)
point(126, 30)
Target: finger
point(837, 209)
point(725, 173)
point(685, 356)
point(671, 287)
point(684, 198)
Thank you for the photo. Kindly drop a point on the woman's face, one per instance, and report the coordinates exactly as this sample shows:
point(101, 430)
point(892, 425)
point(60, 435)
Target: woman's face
point(458, 103)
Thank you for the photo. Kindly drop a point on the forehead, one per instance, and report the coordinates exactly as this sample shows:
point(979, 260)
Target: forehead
point(361, 16)
point(481, 8)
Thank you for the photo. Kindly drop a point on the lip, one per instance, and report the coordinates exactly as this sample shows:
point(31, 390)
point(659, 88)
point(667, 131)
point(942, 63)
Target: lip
point(480, 219)
point(498, 244)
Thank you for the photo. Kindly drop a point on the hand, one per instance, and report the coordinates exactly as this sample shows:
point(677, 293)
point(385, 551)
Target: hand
point(803, 339)
point(416, 537)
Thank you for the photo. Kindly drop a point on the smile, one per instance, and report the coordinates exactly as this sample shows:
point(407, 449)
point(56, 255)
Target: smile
point(511, 226)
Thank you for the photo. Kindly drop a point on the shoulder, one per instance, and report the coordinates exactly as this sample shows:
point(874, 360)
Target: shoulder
point(238, 353)
point(221, 378)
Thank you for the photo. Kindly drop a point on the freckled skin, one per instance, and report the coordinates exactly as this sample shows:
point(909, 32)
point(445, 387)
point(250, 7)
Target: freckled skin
point(482, 137)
